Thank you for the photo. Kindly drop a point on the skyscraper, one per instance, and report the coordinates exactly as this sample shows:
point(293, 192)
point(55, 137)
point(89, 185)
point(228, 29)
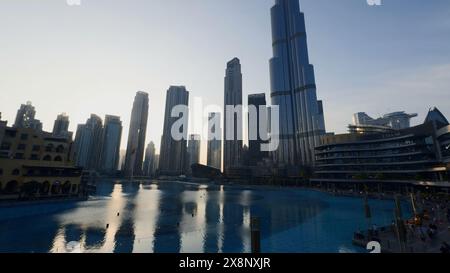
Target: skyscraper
point(193, 150)
point(293, 87)
point(214, 156)
point(173, 159)
point(61, 126)
point(122, 156)
point(25, 117)
point(112, 136)
point(136, 135)
point(255, 154)
point(156, 165)
point(232, 134)
point(149, 161)
point(88, 143)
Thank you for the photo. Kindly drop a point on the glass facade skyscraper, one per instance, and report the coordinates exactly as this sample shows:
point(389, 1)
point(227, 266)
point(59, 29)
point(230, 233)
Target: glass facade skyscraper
point(25, 118)
point(88, 143)
point(112, 136)
point(61, 126)
point(193, 149)
point(136, 135)
point(173, 158)
point(293, 87)
point(214, 157)
point(255, 153)
point(232, 147)
point(150, 157)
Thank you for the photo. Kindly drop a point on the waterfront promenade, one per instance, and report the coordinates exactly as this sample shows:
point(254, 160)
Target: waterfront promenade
point(428, 233)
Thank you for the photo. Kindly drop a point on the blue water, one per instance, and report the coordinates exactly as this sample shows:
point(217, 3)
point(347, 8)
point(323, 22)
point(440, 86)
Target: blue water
point(177, 217)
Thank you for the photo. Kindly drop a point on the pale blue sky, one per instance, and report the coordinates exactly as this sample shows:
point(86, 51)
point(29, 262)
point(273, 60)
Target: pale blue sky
point(93, 58)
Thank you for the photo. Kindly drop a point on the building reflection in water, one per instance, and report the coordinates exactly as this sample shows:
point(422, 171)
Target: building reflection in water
point(171, 217)
point(146, 213)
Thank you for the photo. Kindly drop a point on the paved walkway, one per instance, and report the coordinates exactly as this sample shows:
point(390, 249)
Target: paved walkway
point(418, 241)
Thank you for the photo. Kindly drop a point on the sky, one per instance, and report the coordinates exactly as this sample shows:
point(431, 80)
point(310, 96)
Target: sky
point(93, 58)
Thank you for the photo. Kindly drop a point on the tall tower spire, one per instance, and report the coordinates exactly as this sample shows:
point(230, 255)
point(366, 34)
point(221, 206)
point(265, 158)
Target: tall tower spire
point(293, 87)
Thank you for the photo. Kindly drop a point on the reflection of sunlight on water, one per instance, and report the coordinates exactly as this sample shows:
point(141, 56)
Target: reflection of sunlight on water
point(59, 243)
point(146, 214)
point(83, 219)
point(165, 217)
point(116, 204)
point(193, 239)
point(220, 225)
point(343, 249)
point(246, 229)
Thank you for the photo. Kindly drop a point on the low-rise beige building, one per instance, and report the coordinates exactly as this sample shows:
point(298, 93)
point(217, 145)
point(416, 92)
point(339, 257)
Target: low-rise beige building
point(36, 165)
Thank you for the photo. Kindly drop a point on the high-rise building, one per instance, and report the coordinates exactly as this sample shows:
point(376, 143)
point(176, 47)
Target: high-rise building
point(232, 121)
point(293, 87)
point(88, 143)
point(122, 156)
point(255, 154)
point(149, 161)
point(193, 150)
point(112, 136)
point(61, 126)
point(214, 156)
point(136, 135)
point(25, 118)
point(156, 165)
point(173, 158)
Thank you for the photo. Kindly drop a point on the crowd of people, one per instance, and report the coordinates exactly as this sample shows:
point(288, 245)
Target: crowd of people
point(431, 223)
point(427, 231)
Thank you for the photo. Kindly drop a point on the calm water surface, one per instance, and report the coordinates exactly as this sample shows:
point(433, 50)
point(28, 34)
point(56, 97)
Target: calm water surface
point(182, 217)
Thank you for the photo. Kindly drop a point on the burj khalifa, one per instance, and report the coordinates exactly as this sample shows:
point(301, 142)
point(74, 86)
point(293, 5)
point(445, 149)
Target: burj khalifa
point(293, 87)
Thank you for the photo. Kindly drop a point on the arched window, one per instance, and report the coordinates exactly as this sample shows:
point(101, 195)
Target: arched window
point(15, 172)
point(58, 158)
point(74, 188)
point(30, 188)
point(45, 188)
point(49, 148)
point(56, 188)
point(11, 187)
point(47, 158)
point(66, 187)
point(60, 149)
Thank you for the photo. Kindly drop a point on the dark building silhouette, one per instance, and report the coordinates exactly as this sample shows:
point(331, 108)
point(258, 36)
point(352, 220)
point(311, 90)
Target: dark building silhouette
point(61, 126)
point(88, 143)
point(173, 156)
point(25, 118)
point(112, 136)
point(232, 147)
point(136, 135)
point(214, 156)
point(254, 154)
